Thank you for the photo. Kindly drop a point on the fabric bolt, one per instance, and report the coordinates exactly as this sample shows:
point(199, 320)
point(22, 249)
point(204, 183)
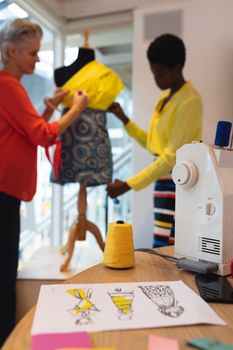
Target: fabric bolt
point(22, 129)
point(179, 122)
point(86, 155)
point(164, 211)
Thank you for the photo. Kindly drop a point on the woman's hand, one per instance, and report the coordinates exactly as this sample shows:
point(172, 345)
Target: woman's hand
point(53, 102)
point(116, 109)
point(80, 100)
point(117, 188)
point(59, 94)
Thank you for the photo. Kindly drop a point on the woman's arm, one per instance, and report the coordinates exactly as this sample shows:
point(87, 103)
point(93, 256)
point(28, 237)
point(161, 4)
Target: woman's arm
point(52, 103)
point(80, 102)
point(25, 120)
point(132, 129)
point(186, 128)
point(116, 109)
point(117, 188)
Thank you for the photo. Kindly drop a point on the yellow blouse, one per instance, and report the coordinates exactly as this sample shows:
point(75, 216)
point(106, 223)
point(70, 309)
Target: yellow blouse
point(101, 84)
point(179, 122)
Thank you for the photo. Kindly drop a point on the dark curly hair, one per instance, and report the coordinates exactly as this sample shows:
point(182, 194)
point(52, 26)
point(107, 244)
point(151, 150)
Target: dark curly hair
point(167, 50)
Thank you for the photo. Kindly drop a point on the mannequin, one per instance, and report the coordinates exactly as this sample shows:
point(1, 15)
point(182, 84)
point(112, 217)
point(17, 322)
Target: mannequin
point(85, 55)
point(81, 225)
point(86, 148)
point(62, 74)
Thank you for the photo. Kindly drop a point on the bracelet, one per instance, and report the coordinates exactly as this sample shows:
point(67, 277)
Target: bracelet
point(49, 104)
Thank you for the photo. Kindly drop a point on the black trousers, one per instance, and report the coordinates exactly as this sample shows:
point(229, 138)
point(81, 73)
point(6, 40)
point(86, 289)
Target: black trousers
point(9, 248)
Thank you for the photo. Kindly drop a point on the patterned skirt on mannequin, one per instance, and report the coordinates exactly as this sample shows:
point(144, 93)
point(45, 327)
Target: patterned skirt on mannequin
point(86, 155)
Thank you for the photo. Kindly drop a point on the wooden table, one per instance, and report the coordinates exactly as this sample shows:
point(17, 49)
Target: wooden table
point(147, 268)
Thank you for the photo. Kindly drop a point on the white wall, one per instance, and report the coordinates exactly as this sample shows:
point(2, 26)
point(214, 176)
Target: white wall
point(144, 96)
point(207, 30)
point(208, 34)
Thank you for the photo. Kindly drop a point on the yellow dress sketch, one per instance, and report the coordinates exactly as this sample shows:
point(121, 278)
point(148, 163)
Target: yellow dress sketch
point(123, 301)
point(85, 308)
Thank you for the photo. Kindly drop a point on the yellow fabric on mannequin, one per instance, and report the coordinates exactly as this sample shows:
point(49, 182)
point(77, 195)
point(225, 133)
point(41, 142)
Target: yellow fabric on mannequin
point(101, 84)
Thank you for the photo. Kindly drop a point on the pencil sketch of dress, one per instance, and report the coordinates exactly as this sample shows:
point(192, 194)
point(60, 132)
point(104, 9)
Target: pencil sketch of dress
point(163, 296)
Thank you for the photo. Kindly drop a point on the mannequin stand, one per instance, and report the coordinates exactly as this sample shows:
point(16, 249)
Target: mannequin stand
point(79, 228)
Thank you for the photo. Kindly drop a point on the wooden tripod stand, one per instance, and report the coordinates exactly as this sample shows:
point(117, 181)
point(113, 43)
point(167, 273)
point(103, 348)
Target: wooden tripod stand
point(79, 228)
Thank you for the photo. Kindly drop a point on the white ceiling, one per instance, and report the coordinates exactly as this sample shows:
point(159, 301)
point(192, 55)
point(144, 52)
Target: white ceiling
point(76, 9)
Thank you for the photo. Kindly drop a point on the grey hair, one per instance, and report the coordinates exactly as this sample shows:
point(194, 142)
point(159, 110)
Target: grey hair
point(16, 31)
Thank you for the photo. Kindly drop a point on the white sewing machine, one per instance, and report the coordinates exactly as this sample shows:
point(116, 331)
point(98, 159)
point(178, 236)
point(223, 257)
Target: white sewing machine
point(204, 204)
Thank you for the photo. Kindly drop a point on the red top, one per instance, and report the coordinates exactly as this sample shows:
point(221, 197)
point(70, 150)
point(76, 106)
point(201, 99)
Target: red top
point(22, 129)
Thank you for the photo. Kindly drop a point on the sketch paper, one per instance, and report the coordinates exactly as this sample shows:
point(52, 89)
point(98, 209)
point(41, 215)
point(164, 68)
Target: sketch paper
point(102, 307)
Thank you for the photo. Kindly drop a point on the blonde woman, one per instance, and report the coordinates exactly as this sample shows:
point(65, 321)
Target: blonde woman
point(22, 129)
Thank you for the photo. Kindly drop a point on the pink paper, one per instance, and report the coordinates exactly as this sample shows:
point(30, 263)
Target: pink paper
point(158, 343)
point(60, 340)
